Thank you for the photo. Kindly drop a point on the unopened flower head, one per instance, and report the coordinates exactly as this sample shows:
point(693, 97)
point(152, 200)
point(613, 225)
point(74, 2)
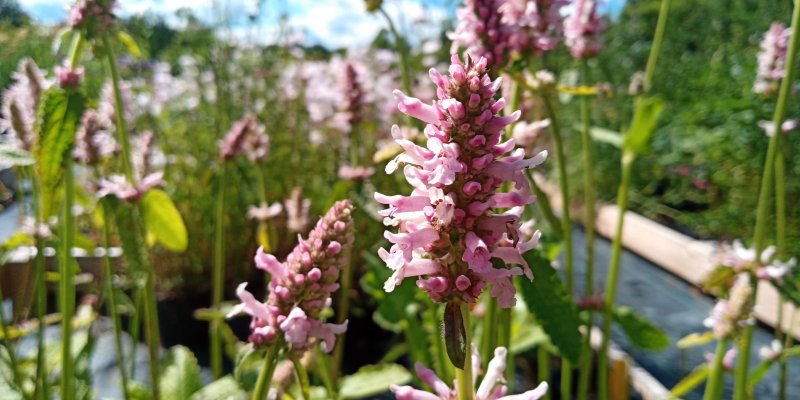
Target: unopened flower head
point(490, 388)
point(481, 32)
point(301, 287)
point(772, 352)
point(93, 142)
point(247, 138)
point(582, 29)
point(352, 104)
point(772, 59)
point(532, 26)
point(449, 235)
point(21, 102)
point(67, 77)
point(93, 17)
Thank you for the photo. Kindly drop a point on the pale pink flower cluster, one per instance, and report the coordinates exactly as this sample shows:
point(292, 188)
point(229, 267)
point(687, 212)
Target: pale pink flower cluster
point(106, 107)
point(119, 186)
point(772, 352)
point(481, 31)
point(20, 103)
point(526, 133)
point(93, 142)
point(491, 387)
point(772, 59)
point(301, 287)
point(448, 231)
point(786, 127)
point(350, 173)
point(264, 212)
point(533, 26)
point(93, 16)
point(582, 29)
point(729, 316)
point(728, 359)
point(740, 258)
point(297, 211)
point(247, 138)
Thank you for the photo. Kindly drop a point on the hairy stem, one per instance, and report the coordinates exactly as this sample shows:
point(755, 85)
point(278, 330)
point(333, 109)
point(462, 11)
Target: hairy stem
point(267, 370)
point(108, 273)
point(716, 375)
point(218, 274)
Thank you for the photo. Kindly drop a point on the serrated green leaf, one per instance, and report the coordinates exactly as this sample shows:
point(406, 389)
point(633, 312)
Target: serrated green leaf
point(181, 377)
point(164, 221)
point(372, 380)
point(58, 119)
point(552, 306)
point(224, 388)
point(691, 381)
point(130, 44)
point(13, 156)
point(695, 339)
point(641, 332)
point(608, 136)
point(645, 116)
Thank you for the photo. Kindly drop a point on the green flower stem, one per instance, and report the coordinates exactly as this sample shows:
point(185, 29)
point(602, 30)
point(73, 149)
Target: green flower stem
point(267, 370)
point(743, 362)
point(66, 282)
point(716, 376)
point(324, 371)
point(543, 367)
point(119, 111)
point(547, 210)
point(142, 259)
point(218, 273)
point(780, 244)
point(12, 352)
point(613, 275)
point(563, 183)
point(504, 320)
point(41, 389)
point(402, 52)
point(66, 267)
point(489, 334)
point(108, 273)
point(464, 378)
point(302, 376)
point(782, 370)
point(655, 50)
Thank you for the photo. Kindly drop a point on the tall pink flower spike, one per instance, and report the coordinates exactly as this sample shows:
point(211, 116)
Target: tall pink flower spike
point(449, 235)
point(301, 287)
point(582, 28)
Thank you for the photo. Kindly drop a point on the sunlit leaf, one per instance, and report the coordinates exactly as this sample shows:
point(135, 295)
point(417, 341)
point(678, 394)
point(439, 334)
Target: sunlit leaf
point(695, 339)
point(641, 332)
point(373, 379)
point(13, 156)
point(164, 221)
point(608, 136)
point(130, 44)
point(691, 381)
point(224, 388)
point(181, 377)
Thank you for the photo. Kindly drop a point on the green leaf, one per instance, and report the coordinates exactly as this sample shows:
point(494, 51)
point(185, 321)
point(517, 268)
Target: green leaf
point(455, 334)
point(181, 377)
point(164, 221)
point(224, 388)
point(691, 381)
point(641, 332)
point(552, 306)
point(757, 374)
point(695, 339)
point(58, 119)
point(129, 44)
point(645, 116)
point(529, 336)
point(13, 156)
point(372, 380)
point(608, 136)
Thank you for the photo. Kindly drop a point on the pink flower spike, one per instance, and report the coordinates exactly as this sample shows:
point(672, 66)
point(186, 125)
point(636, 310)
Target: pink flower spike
point(268, 262)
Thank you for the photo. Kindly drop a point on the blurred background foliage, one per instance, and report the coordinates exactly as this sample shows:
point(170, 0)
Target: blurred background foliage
point(700, 177)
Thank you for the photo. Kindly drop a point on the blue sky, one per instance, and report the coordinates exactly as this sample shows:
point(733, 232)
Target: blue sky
point(329, 22)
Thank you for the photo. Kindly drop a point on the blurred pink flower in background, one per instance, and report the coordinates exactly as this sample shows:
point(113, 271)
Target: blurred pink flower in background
point(582, 29)
point(772, 59)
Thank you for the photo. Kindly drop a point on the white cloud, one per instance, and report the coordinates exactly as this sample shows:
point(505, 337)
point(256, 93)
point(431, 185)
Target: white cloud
point(332, 23)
